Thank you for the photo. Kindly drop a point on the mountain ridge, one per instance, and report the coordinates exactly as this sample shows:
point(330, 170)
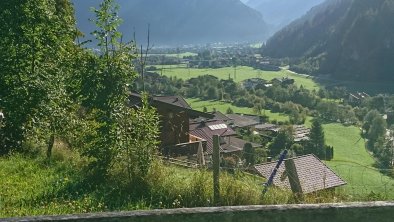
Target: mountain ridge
point(279, 13)
point(347, 39)
point(176, 22)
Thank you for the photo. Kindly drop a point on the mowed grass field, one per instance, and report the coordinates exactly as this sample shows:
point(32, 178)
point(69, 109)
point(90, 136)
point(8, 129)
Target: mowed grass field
point(180, 55)
point(242, 73)
point(355, 165)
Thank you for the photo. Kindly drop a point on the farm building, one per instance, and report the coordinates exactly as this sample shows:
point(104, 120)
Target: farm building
point(207, 129)
point(243, 121)
point(174, 114)
point(310, 174)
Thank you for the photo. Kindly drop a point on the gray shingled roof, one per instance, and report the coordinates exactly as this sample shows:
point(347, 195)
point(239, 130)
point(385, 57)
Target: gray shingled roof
point(242, 121)
point(236, 144)
point(313, 174)
point(203, 131)
point(175, 100)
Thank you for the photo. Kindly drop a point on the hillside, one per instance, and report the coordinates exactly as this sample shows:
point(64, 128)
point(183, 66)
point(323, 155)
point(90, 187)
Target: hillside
point(279, 13)
point(175, 22)
point(348, 39)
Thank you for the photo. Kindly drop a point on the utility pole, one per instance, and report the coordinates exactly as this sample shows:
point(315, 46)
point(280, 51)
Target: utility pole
point(271, 178)
point(216, 170)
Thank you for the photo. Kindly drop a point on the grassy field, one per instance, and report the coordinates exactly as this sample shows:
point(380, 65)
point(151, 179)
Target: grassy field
point(355, 165)
point(180, 55)
point(223, 106)
point(242, 73)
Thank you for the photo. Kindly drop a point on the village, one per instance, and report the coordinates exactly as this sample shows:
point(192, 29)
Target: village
point(146, 110)
point(186, 139)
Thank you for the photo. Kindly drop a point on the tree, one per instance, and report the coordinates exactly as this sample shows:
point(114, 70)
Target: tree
point(297, 117)
point(36, 50)
point(316, 143)
point(368, 119)
point(212, 93)
point(137, 144)
point(282, 141)
point(249, 154)
point(125, 136)
point(257, 109)
point(229, 111)
point(374, 127)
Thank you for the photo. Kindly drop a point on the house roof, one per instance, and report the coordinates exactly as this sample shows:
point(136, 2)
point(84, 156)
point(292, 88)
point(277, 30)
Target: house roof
point(216, 116)
point(173, 102)
point(220, 116)
point(206, 130)
point(268, 127)
point(301, 133)
point(234, 144)
point(313, 174)
point(242, 120)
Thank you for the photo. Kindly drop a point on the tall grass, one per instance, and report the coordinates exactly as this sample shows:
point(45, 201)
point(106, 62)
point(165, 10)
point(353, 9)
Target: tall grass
point(29, 186)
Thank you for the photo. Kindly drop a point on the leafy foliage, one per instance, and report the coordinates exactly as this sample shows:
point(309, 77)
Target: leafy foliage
point(316, 143)
point(34, 62)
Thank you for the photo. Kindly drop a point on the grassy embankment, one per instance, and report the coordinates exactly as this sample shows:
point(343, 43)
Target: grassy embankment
point(28, 186)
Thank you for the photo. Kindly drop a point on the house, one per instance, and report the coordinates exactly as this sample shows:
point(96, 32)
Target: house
point(284, 81)
point(174, 114)
point(301, 133)
point(217, 115)
point(207, 129)
point(313, 175)
point(244, 121)
point(253, 83)
point(234, 146)
point(268, 130)
point(220, 116)
point(357, 98)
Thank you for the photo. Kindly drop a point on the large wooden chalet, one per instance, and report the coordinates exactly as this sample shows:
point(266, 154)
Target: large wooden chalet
point(174, 114)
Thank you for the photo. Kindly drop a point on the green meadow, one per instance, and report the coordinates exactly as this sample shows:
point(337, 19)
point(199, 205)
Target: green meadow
point(355, 164)
point(180, 55)
point(241, 73)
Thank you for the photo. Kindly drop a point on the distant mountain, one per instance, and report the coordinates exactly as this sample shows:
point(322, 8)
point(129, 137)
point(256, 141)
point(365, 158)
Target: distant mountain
point(348, 39)
point(175, 22)
point(279, 13)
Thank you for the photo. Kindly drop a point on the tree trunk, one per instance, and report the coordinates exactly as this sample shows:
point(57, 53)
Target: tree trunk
point(50, 146)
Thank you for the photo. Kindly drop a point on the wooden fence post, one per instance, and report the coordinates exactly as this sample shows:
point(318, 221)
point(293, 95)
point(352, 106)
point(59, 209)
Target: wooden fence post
point(294, 180)
point(216, 169)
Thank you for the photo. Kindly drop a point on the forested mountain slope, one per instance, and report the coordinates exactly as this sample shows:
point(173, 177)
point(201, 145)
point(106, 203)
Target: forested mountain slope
point(349, 39)
point(176, 22)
